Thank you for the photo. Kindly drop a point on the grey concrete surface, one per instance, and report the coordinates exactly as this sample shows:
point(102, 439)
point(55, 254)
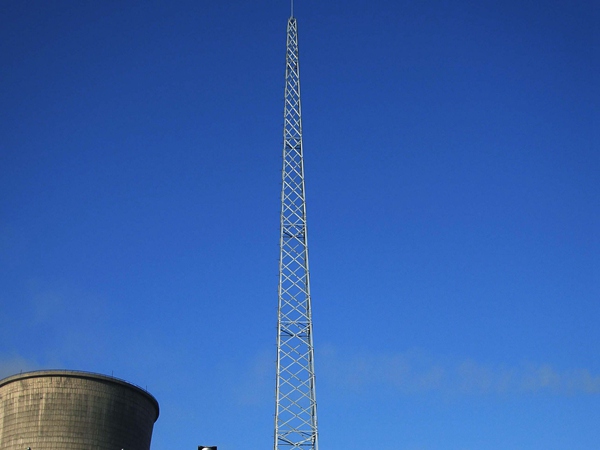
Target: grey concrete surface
point(68, 410)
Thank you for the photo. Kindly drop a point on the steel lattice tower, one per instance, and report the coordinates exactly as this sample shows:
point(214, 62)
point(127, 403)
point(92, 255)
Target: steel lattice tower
point(296, 407)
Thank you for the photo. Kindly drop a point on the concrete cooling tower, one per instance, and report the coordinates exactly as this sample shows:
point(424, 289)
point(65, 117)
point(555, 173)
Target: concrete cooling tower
point(67, 410)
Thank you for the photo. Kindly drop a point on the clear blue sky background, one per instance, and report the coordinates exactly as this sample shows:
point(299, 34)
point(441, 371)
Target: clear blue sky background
point(452, 161)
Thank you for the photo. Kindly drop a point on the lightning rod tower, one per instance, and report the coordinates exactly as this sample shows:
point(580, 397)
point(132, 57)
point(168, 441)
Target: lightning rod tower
point(296, 406)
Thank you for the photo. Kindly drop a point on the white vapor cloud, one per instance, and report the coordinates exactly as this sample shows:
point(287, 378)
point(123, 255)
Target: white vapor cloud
point(412, 372)
point(254, 385)
point(13, 365)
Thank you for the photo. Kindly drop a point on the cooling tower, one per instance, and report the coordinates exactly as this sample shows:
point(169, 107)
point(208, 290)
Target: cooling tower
point(67, 410)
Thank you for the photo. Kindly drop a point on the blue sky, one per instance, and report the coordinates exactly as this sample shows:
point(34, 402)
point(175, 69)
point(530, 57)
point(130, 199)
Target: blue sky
point(451, 153)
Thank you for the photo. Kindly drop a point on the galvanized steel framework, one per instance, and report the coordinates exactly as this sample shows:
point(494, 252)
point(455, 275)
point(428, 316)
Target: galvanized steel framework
point(296, 407)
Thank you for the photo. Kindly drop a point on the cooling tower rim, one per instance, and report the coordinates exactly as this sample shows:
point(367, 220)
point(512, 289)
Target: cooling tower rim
point(83, 375)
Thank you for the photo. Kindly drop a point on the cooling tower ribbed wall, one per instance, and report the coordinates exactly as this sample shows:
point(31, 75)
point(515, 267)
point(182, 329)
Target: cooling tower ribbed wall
point(67, 410)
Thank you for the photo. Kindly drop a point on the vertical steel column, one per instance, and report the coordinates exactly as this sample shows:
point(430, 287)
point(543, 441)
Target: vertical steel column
point(296, 407)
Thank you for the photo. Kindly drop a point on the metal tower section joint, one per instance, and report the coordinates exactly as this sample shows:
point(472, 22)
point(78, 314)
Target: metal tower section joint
point(296, 406)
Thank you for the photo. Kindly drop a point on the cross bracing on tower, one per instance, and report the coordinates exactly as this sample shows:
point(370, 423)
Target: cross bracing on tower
point(296, 407)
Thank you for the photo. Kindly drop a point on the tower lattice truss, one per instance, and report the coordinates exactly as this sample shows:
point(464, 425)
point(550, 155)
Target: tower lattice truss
point(296, 407)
